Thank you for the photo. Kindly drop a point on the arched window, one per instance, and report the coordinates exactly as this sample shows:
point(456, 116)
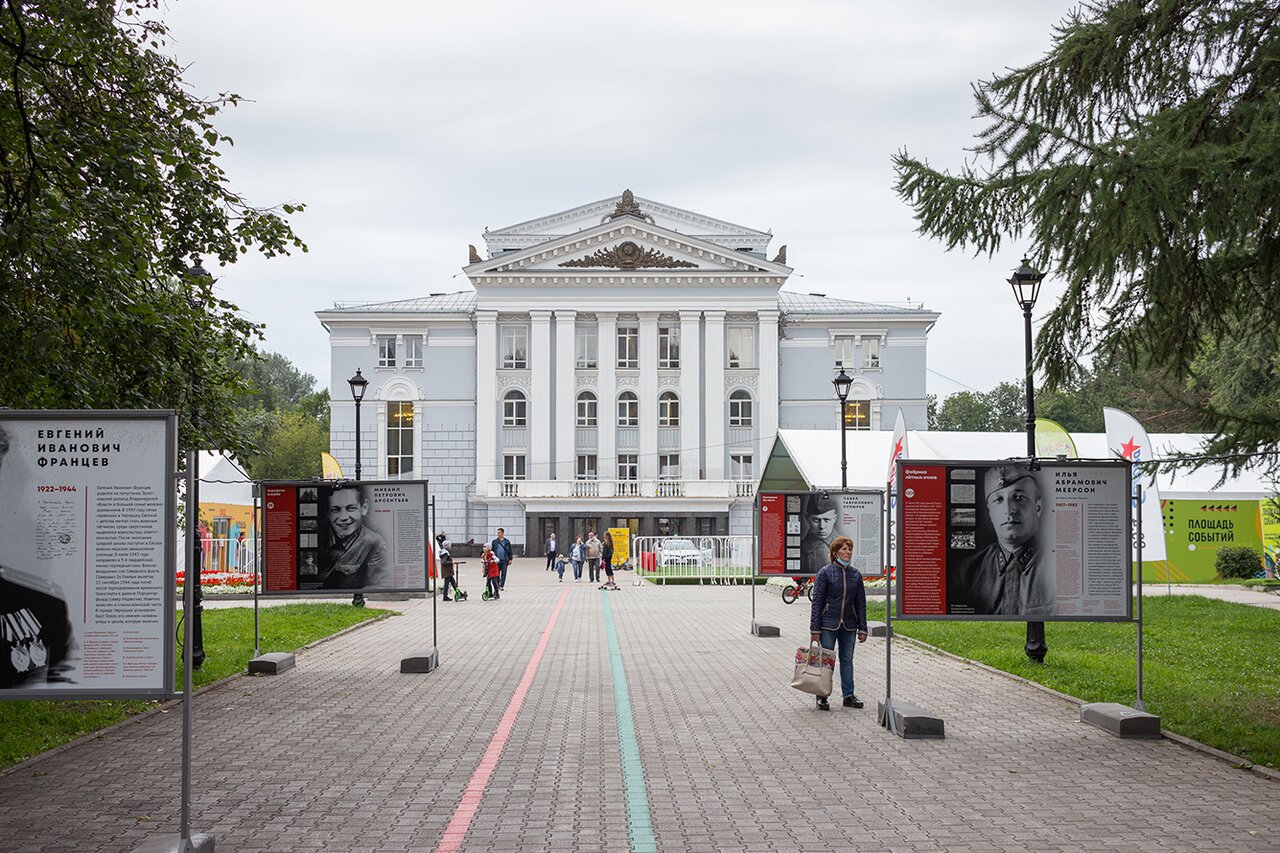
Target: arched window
point(628, 409)
point(515, 409)
point(668, 409)
point(740, 409)
point(587, 409)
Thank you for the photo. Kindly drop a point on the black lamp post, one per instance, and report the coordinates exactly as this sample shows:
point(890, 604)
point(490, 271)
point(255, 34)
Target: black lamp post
point(199, 273)
point(842, 383)
point(358, 385)
point(1025, 282)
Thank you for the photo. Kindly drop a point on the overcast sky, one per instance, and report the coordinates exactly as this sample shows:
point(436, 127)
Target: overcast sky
point(408, 127)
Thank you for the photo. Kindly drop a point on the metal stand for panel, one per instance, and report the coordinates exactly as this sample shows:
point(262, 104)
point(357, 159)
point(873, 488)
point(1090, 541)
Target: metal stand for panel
point(757, 628)
point(257, 563)
point(185, 841)
point(889, 722)
point(427, 660)
point(1140, 705)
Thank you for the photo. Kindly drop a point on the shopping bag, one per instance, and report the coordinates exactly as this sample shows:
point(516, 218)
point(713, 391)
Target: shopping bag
point(814, 668)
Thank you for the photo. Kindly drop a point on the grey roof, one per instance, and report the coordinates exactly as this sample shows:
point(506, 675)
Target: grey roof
point(462, 301)
point(820, 303)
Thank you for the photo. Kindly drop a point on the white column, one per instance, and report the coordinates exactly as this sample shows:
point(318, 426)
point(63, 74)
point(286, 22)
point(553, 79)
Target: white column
point(419, 464)
point(768, 402)
point(566, 394)
point(606, 349)
point(690, 395)
point(380, 461)
point(486, 400)
point(648, 395)
point(540, 391)
point(714, 396)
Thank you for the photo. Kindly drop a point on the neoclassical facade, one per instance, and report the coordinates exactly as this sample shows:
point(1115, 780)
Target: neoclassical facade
point(623, 363)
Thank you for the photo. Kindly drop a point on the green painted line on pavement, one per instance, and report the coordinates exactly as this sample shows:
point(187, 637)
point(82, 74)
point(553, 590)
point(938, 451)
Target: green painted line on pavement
point(639, 824)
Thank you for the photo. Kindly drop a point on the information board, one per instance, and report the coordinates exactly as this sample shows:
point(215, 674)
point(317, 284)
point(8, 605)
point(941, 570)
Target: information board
point(366, 536)
point(797, 529)
point(1007, 541)
point(87, 552)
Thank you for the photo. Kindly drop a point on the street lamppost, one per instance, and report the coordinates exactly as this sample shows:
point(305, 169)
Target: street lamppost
point(1025, 282)
point(842, 383)
point(358, 385)
point(197, 272)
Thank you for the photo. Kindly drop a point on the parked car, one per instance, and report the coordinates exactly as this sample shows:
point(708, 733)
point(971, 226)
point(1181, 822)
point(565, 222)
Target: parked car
point(682, 553)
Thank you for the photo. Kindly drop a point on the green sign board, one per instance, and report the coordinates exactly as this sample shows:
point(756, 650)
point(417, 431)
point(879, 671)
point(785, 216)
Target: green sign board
point(1195, 530)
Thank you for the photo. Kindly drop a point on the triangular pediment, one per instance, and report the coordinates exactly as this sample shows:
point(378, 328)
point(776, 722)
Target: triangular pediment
point(626, 244)
point(534, 231)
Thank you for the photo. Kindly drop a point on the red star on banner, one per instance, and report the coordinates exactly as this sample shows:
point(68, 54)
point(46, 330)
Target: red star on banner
point(1129, 448)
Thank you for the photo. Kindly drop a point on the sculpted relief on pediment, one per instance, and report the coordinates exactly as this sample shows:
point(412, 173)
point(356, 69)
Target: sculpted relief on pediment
point(628, 255)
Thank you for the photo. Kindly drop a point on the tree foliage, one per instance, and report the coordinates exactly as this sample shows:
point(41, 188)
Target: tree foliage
point(109, 189)
point(1139, 160)
point(285, 419)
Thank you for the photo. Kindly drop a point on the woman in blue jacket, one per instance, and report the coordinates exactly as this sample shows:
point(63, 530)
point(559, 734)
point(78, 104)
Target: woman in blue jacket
point(839, 613)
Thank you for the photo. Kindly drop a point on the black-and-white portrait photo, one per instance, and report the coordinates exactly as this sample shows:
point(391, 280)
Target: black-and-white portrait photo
point(353, 555)
point(1006, 575)
point(820, 515)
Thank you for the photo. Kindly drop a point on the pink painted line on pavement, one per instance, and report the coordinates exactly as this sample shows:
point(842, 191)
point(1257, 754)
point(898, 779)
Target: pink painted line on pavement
point(462, 816)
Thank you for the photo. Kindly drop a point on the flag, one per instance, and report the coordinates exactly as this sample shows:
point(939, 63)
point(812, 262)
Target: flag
point(896, 452)
point(1053, 441)
point(1127, 439)
point(330, 467)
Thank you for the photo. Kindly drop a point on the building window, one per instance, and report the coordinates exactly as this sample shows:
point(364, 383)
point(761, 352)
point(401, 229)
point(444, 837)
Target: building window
point(871, 352)
point(844, 353)
point(628, 466)
point(628, 346)
point(668, 409)
point(740, 414)
point(587, 409)
point(742, 346)
point(669, 466)
point(399, 439)
point(587, 469)
point(668, 346)
point(515, 347)
point(513, 466)
point(586, 344)
point(386, 350)
point(857, 414)
point(413, 350)
point(628, 409)
point(740, 466)
point(515, 409)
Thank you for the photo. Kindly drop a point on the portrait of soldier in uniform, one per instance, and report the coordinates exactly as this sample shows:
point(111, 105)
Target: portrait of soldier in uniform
point(1007, 577)
point(820, 531)
point(356, 556)
point(35, 632)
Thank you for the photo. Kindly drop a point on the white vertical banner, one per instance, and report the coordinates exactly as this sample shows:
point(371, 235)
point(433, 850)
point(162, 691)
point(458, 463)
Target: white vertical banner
point(896, 452)
point(1127, 439)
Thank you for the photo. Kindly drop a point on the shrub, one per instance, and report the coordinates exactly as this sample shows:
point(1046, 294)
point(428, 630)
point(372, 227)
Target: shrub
point(1236, 561)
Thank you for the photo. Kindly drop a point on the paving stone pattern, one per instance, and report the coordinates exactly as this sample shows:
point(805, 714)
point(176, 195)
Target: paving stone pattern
point(344, 753)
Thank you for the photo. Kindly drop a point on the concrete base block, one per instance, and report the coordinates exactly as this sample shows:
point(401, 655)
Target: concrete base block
point(911, 721)
point(272, 663)
point(423, 661)
point(199, 843)
point(1121, 720)
point(762, 630)
point(877, 629)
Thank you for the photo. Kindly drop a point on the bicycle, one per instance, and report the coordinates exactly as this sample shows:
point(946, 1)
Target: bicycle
point(801, 586)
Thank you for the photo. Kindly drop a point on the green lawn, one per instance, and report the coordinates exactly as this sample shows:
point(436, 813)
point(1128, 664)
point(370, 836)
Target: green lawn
point(29, 727)
point(1211, 668)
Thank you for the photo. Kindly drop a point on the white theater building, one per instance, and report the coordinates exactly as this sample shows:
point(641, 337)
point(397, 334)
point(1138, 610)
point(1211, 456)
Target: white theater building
point(623, 363)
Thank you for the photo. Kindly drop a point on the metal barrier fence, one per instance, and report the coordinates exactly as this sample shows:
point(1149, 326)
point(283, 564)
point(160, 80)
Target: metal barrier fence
point(706, 559)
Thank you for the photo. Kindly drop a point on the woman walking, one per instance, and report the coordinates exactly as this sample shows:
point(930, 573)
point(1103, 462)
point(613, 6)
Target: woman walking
point(839, 614)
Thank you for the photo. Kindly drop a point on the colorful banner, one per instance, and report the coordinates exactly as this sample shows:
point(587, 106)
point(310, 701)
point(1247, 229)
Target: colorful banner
point(1052, 440)
point(329, 467)
point(797, 529)
point(1198, 529)
point(621, 545)
point(1128, 440)
point(897, 451)
point(87, 554)
point(368, 536)
point(1005, 541)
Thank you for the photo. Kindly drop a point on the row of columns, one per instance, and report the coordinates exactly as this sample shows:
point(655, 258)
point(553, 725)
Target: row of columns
point(558, 417)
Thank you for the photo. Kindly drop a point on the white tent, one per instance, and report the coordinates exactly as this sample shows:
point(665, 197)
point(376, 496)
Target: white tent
point(223, 480)
point(810, 459)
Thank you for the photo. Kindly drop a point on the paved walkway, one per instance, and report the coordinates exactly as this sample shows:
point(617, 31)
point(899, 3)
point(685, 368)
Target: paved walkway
point(518, 743)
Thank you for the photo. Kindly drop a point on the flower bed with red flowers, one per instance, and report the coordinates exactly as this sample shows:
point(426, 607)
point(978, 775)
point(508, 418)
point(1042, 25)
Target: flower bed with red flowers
point(214, 581)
